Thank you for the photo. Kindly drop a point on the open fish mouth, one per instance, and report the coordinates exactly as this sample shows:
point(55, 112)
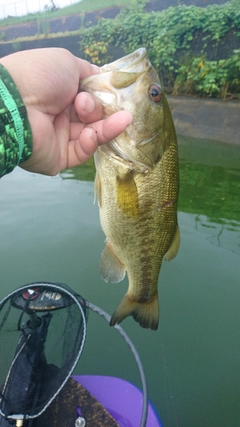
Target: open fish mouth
point(116, 75)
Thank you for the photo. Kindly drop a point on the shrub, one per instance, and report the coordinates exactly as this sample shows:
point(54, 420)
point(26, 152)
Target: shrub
point(171, 37)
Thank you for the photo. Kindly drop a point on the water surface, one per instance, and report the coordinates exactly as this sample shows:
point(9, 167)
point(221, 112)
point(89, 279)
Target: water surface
point(50, 231)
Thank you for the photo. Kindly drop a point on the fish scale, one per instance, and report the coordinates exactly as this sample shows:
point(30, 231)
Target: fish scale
point(136, 184)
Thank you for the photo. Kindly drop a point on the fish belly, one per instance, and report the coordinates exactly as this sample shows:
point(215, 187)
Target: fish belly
point(138, 217)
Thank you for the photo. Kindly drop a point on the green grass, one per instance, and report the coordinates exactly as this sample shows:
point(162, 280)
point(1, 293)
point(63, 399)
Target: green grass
point(87, 5)
point(80, 7)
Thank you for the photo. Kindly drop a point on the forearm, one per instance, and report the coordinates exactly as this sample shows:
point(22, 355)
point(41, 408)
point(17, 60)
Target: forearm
point(15, 130)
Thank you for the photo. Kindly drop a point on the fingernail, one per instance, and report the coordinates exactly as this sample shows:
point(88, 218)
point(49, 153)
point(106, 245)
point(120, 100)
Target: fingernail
point(126, 117)
point(87, 103)
point(96, 68)
point(130, 117)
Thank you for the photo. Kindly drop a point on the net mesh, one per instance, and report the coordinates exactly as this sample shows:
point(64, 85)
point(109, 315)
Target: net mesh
point(41, 341)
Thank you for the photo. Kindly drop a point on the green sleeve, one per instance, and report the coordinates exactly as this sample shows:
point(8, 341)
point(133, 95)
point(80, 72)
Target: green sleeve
point(15, 130)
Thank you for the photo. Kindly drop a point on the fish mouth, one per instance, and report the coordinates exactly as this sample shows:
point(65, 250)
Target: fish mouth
point(116, 75)
point(130, 63)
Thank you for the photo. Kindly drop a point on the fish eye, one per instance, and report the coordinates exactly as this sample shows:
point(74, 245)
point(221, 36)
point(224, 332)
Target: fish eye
point(155, 93)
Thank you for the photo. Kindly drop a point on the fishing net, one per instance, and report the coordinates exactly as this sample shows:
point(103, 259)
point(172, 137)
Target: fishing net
point(42, 330)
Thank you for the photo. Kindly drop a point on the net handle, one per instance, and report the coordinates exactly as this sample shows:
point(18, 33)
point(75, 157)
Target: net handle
point(126, 338)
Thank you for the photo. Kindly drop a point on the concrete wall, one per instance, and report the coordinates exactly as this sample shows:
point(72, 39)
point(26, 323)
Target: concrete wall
point(206, 118)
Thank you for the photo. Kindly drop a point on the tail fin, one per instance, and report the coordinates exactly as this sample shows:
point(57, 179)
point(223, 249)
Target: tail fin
point(145, 313)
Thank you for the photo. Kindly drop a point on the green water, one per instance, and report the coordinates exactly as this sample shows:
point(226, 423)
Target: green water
point(50, 231)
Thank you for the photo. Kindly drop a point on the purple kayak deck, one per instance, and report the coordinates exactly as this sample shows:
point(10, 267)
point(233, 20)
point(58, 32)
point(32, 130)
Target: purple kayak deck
point(122, 399)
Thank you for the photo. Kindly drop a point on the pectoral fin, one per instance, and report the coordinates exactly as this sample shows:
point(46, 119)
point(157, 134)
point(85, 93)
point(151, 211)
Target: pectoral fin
point(173, 250)
point(127, 195)
point(111, 268)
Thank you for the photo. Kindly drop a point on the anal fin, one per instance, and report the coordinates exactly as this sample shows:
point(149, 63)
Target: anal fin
point(111, 268)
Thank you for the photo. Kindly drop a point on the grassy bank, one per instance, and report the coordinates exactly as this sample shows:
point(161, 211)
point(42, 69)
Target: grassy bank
point(74, 9)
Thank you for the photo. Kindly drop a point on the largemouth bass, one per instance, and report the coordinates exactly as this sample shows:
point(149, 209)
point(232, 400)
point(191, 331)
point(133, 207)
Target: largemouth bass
point(136, 184)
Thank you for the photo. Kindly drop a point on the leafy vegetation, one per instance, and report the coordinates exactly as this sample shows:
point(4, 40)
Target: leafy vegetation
point(183, 44)
point(214, 78)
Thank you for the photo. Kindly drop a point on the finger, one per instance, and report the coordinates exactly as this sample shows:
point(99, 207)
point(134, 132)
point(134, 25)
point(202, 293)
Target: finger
point(81, 149)
point(84, 141)
point(111, 127)
point(86, 68)
point(106, 129)
point(87, 108)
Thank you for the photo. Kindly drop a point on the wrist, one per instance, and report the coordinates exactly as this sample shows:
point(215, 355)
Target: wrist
point(15, 130)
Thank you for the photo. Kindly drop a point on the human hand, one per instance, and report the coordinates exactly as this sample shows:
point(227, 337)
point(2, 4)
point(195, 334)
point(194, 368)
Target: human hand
point(67, 126)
